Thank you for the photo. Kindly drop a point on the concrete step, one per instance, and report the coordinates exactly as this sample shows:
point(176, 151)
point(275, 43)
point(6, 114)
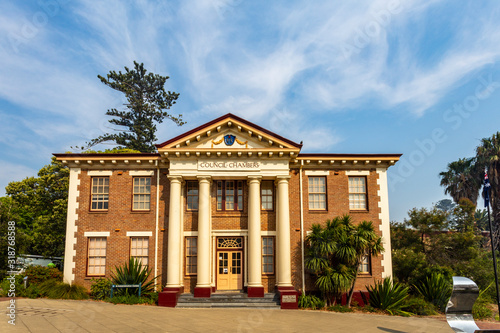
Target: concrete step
point(229, 300)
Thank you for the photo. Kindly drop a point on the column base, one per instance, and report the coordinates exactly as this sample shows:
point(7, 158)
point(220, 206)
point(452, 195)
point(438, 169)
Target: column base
point(289, 298)
point(255, 291)
point(169, 296)
point(202, 291)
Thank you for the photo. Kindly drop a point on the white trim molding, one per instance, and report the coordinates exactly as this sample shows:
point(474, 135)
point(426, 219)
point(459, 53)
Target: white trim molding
point(100, 173)
point(139, 234)
point(96, 234)
point(359, 172)
point(385, 226)
point(141, 172)
point(317, 172)
point(71, 227)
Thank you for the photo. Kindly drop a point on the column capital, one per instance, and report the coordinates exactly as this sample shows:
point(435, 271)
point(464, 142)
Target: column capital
point(254, 179)
point(204, 178)
point(280, 179)
point(174, 178)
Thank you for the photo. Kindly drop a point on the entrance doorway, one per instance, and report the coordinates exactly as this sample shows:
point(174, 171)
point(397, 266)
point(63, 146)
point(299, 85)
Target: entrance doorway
point(230, 275)
point(229, 263)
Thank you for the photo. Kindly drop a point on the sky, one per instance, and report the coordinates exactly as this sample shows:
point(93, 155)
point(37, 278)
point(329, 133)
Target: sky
point(416, 77)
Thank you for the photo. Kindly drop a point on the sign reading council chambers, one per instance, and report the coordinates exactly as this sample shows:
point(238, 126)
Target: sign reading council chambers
point(250, 166)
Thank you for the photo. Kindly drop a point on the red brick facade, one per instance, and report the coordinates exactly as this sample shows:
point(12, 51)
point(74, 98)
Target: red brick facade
point(119, 219)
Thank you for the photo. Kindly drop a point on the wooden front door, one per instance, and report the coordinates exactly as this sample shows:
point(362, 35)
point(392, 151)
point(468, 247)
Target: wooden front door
point(229, 270)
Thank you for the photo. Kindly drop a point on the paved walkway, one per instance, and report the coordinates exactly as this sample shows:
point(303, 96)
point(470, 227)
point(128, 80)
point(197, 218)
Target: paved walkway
point(45, 315)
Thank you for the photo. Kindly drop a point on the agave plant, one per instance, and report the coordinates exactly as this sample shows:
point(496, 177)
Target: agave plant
point(387, 295)
point(435, 289)
point(134, 273)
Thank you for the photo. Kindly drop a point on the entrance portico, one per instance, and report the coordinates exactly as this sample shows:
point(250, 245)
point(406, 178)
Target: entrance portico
point(229, 161)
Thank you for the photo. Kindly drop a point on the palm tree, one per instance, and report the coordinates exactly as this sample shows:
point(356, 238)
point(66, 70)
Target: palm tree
point(462, 180)
point(488, 156)
point(335, 251)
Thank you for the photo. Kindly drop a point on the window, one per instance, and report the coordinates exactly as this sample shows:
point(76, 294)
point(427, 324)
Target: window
point(192, 195)
point(268, 255)
point(364, 266)
point(229, 195)
point(142, 193)
point(317, 193)
point(191, 255)
point(266, 194)
point(139, 247)
point(357, 193)
point(96, 256)
point(100, 193)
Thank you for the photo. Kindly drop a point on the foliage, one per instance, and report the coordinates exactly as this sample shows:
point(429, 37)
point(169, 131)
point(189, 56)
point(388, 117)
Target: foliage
point(426, 222)
point(147, 101)
point(463, 216)
point(133, 273)
point(418, 306)
point(481, 309)
point(100, 288)
point(388, 295)
point(41, 206)
point(435, 289)
point(8, 213)
point(481, 217)
point(334, 253)
point(339, 308)
point(311, 301)
point(60, 290)
point(39, 274)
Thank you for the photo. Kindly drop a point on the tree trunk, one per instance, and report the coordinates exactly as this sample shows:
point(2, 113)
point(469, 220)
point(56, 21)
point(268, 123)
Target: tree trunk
point(351, 292)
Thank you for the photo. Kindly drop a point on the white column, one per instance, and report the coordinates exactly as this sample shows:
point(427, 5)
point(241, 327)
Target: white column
point(254, 238)
point(283, 227)
point(203, 279)
point(174, 233)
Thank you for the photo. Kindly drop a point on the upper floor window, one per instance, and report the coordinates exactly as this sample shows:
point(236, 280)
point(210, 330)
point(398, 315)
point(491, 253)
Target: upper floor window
point(266, 194)
point(192, 195)
point(317, 193)
point(142, 193)
point(100, 193)
point(229, 195)
point(357, 193)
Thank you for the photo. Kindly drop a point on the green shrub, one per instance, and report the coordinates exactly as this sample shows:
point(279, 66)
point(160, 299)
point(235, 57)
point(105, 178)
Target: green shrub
point(388, 296)
point(130, 299)
point(481, 309)
point(39, 274)
point(418, 306)
point(60, 290)
point(133, 273)
point(339, 308)
point(435, 289)
point(100, 288)
point(32, 291)
point(311, 301)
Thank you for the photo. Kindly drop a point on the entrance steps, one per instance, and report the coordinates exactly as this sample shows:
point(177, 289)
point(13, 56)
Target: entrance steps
point(229, 300)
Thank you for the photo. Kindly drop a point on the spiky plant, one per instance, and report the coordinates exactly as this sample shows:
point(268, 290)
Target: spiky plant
point(387, 295)
point(134, 273)
point(435, 289)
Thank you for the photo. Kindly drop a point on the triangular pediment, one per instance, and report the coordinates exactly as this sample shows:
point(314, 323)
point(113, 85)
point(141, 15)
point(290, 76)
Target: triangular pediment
point(228, 133)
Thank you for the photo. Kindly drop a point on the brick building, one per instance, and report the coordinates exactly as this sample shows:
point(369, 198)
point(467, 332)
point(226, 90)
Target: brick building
point(224, 206)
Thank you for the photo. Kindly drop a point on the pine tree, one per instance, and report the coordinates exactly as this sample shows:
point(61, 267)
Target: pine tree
point(147, 101)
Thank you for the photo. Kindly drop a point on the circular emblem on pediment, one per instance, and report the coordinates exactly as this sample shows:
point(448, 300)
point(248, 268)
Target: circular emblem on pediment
point(229, 139)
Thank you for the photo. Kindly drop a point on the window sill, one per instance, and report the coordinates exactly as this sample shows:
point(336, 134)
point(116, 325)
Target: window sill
point(358, 211)
point(98, 211)
point(140, 211)
point(318, 211)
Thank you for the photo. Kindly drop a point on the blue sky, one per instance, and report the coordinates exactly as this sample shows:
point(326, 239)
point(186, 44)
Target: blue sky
point(418, 77)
